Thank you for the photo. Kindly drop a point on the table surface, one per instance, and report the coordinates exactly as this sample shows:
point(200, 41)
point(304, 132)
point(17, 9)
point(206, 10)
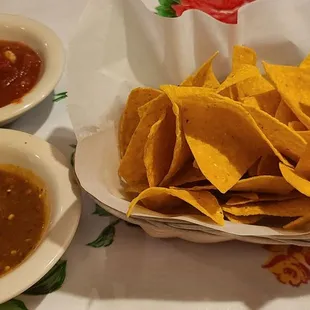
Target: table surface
point(137, 271)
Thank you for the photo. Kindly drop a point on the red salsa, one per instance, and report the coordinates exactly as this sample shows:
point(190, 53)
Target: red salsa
point(20, 67)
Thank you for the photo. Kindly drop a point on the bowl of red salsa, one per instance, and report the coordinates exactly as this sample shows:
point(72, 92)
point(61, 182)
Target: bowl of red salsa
point(31, 64)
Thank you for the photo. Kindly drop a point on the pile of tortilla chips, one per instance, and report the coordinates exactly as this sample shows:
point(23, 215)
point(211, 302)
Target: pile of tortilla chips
point(236, 150)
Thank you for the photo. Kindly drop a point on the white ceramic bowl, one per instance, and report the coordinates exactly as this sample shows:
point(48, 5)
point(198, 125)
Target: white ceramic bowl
point(45, 42)
point(48, 163)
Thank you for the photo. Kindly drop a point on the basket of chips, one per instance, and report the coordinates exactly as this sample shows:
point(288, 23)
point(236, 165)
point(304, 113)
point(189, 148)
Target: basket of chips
point(221, 154)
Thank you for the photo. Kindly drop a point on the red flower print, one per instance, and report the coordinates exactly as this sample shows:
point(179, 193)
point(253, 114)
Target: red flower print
point(289, 263)
point(288, 270)
point(222, 10)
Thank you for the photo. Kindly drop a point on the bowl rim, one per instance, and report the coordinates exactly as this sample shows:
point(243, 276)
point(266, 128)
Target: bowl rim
point(49, 78)
point(60, 232)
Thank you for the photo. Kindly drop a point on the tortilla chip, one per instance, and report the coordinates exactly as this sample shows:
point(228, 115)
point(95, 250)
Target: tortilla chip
point(252, 171)
point(284, 139)
point(143, 109)
point(132, 168)
point(268, 102)
point(305, 135)
point(216, 128)
point(297, 181)
point(241, 200)
point(158, 150)
point(269, 165)
point(261, 89)
point(188, 174)
point(284, 114)
point(163, 203)
point(299, 224)
point(251, 219)
point(204, 76)
point(242, 55)
point(286, 208)
point(245, 195)
point(303, 166)
point(264, 184)
point(293, 85)
point(251, 102)
point(297, 126)
point(130, 118)
point(306, 62)
point(204, 202)
point(181, 152)
point(232, 92)
point(259, 184)
point(243, 73)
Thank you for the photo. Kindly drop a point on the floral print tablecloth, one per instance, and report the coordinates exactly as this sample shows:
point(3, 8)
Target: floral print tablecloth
point(113, 265)
point(223, 10)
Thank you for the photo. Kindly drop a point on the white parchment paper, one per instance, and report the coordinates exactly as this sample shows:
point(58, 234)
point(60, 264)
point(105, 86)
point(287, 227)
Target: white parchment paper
point(120, 44)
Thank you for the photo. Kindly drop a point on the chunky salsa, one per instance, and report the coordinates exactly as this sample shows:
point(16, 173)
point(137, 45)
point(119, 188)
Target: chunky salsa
point(23, 214)
point(20, 68)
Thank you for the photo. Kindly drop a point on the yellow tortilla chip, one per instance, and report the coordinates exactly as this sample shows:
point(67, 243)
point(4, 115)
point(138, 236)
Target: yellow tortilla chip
point(269, 165)
point(243, 73)
point(305, 135)
point(299, 223)
point(181, 152)
point(246, 195)
point(204, 76)
point(132, 168)
point(252, 171)
point(264, 184)
point(143, 109)
point(261, 89)
point(284, 114)
point(259, 184)
point(243, 55)
point(204, 202)
point(251, 219)
point(216, 128)
point(297, 126)
point(232, 92)
point(158, 150)
point(306, 62)
point(188, 174)
point(284, 139)
point(293, 85)
point(241, 200)
point(297, 181)
point(286, 208)
point(130, 118)
point(268, 101)
point(303, 166)
point(251, 102)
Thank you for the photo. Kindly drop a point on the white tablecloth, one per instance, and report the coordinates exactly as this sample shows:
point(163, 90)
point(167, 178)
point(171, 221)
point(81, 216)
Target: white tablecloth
point(136, 271)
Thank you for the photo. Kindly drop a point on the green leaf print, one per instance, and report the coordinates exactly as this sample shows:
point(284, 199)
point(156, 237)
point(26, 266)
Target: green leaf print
point(106, 237)
point(165, 8)
point(72, 159)
point(13, 304)
point(60, 96)
point(100, 211)
point(51, 282)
